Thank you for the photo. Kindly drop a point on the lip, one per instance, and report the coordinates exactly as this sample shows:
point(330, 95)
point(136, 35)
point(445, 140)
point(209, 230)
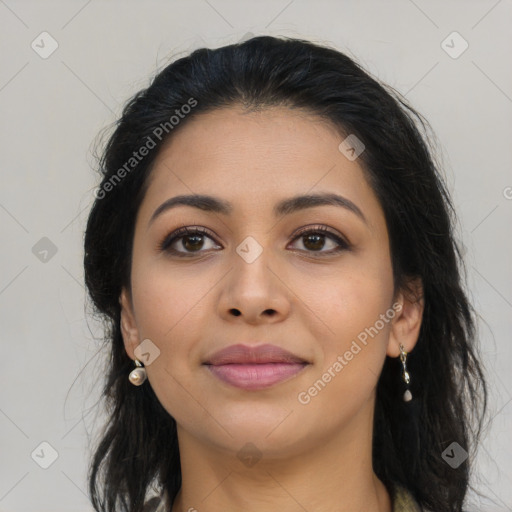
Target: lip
point(260, 354)
point(254, 367)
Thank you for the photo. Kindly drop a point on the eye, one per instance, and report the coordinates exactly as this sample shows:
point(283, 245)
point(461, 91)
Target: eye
point(191, 239)
point(313, 239)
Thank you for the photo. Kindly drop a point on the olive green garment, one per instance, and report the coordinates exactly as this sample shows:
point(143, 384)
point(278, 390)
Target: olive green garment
point(403, 501)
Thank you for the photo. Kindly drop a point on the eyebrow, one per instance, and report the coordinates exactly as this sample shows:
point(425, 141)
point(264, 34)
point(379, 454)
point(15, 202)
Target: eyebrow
point(285, 207)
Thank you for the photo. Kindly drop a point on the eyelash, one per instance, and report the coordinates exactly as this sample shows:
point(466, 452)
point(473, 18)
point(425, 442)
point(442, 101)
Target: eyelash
point(164, 245)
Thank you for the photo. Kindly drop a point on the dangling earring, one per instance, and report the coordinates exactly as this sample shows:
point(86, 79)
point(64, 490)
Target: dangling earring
point(138, 375)
point(405, 374)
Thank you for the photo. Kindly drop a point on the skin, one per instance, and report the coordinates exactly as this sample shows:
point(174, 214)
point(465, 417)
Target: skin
point(314, 456)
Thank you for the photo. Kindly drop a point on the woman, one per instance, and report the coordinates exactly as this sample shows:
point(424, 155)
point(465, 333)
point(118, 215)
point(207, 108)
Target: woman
point(271, 247)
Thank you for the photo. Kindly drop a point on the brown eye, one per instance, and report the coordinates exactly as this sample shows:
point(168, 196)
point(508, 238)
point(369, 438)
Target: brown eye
point(186, 241)
point(314, 240)
point(192, 242)
point(189, 240)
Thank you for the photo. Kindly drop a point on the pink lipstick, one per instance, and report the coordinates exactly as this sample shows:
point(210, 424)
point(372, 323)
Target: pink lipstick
point(254, 367)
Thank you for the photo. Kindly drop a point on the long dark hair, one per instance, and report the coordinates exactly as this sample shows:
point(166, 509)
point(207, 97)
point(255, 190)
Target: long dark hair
point(139, 446)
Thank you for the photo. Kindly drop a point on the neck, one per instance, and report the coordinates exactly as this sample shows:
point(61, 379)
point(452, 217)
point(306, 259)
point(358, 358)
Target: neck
point(335, 474)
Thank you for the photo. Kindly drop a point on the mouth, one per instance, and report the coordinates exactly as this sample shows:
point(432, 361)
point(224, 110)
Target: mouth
point(254, 367)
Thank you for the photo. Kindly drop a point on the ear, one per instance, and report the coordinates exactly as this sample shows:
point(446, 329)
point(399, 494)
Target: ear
point(128, 325)
point(405, 326)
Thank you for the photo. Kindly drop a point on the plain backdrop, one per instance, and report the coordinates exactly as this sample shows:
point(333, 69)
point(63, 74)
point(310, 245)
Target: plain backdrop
point(53, 105)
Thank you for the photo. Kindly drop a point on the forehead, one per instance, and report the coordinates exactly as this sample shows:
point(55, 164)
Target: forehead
point(255, 158)
point(271, 141)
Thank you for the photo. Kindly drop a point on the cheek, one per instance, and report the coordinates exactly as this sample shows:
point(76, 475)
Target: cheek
point(349, 299)
point(174, 310)
point(165, 298)
point(350, 359)
point(353, 348)
point(169, 312)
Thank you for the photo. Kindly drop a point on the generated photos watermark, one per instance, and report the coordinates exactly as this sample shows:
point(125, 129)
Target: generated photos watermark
point(150, 143)
point(305, 397)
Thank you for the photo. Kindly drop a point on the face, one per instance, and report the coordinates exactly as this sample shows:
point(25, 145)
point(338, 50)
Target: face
point(311, 278)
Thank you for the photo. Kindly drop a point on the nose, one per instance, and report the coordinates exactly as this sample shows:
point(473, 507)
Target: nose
point(255, 292)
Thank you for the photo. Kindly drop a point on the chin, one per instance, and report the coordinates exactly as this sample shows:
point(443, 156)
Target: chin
point(276, 436)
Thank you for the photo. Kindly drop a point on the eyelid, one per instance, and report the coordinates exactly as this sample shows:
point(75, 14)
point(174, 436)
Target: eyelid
point(180, 233)
point(342, 242)
point(321, 229)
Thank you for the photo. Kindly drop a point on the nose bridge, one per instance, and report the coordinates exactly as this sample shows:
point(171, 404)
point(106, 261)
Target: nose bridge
point(253, 289)
point(252, 266)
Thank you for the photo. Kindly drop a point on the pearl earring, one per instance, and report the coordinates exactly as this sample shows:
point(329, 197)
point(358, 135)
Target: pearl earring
point(407, 397)
point(138, 375)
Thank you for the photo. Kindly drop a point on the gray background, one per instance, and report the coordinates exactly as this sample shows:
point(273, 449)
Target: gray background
point(53, 108)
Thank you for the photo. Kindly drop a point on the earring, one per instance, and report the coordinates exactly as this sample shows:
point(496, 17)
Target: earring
point(138, 375)
point(405, 374)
